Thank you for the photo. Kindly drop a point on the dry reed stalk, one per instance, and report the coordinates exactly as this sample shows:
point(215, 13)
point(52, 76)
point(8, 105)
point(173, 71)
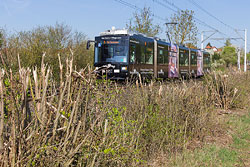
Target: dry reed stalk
point(69, 84)
point(1, 111)
point(13, 134)
point(61, 70)
point(14, 129)
point(72, 115)
point(44, 101)
point(98, 123)
point(60, 104)
point(37, 91)
point(102, 143)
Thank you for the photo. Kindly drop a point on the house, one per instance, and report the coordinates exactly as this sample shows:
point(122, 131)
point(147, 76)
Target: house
point(212, 49)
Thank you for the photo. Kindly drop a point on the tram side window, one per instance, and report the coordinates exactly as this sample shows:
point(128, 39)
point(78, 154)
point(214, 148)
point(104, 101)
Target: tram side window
point(163, 55)
point(160, 58)
point(132, 53)
point(184, 58)
point(193, 58)
point(135, 53)
point(149, 54)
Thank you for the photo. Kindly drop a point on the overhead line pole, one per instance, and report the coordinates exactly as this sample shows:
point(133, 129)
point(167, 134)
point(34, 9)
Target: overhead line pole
point(204, 10)
point(169, 38)
point(238, 61)
point(245, 57)
point(202, 42)
point(202, 37)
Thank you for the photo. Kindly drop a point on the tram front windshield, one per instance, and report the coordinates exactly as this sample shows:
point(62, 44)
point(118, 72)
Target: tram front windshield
point(111, 51)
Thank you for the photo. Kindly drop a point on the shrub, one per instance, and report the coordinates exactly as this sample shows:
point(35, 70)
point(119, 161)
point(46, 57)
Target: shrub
point(82, 121)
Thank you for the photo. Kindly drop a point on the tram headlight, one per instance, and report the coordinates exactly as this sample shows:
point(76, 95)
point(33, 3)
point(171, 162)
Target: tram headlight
point(116, 71)
point(124, 68)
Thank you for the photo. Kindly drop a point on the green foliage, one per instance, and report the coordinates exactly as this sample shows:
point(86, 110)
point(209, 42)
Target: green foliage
point(186, 29)
point(229, 55)
point(248, 56)
point(216, 57)
point(143, 23)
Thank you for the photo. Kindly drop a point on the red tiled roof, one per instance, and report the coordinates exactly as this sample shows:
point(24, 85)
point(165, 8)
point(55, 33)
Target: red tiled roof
point(208, 47)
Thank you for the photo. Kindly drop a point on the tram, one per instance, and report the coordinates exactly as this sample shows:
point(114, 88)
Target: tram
point(120, 55)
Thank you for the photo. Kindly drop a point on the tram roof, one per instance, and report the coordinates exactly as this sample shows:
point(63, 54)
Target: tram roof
point(163, 43)
point(183, 47)
point(194, 50)
point(142, 37)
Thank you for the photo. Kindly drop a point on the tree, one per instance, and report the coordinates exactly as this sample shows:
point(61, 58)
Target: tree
point(1, 40)
point(242, 57)
point(229, 55)
point(216, 57)
point(185, 30)
point(248, 56)
point(191, 45)
point(2, 46)
point(52, 40)
point(143, 23)
point(228, 43)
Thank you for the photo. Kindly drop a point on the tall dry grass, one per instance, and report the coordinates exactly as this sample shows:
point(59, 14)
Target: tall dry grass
point(229, 90)
point(81, 121)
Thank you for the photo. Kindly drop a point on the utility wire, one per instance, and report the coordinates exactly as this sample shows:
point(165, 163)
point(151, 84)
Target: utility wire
point(128, 4)
point(164, 5)
point(198, 20)
point(216, 18)
point(204, 10)
point(137, 8)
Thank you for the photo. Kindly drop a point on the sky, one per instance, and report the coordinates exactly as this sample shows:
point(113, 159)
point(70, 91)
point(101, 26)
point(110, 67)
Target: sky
point(94, 16)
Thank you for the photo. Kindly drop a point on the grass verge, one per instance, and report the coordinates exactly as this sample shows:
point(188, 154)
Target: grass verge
point(235, 153)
